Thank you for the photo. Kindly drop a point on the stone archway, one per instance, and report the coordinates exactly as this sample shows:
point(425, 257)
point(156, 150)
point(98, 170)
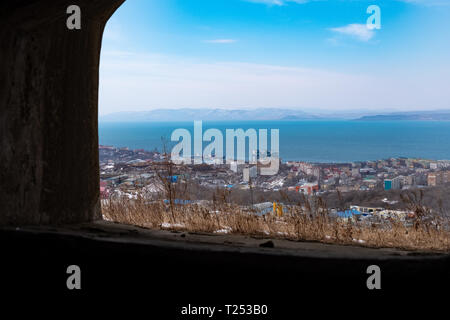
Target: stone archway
point(48, 111)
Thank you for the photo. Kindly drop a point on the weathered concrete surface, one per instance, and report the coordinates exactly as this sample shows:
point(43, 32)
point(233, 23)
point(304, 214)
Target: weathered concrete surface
point(165, 268)
point(128, 234)
point(48, 111)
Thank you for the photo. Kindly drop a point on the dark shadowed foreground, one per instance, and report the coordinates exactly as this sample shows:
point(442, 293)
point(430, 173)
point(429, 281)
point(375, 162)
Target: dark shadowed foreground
point(167, 269)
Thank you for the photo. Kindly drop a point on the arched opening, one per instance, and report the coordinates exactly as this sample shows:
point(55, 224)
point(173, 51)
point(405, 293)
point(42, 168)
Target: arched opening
point(348, 177)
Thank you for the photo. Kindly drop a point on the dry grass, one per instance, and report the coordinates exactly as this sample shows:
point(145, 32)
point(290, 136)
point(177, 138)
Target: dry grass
point(301, 223)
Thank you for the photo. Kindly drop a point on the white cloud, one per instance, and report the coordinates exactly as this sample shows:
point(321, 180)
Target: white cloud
point(428, 2)
point(142, 81)
point(421, 2)
point(277, 2)
point(358, 31)
point(268, 2)
point(221, 41)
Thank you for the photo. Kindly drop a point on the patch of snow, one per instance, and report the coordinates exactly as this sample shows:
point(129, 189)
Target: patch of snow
point(170, 225)
point(224, 230)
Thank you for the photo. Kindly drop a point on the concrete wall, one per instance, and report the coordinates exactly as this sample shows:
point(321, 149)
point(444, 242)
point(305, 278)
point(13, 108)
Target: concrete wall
point(48, 111)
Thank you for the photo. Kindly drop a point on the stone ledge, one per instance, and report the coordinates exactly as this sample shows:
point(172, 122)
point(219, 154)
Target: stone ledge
point(127, 234)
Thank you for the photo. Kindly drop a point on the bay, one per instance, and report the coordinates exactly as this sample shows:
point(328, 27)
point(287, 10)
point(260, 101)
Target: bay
point(312, 141)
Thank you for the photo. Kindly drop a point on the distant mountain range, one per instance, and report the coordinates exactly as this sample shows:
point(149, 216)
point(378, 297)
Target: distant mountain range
point(188, 114)
point(443, 115)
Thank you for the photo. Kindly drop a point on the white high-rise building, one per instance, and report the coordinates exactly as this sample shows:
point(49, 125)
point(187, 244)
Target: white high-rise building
point(234, 166)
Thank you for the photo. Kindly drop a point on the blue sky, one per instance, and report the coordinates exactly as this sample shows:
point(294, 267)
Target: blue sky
point(309, 55)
